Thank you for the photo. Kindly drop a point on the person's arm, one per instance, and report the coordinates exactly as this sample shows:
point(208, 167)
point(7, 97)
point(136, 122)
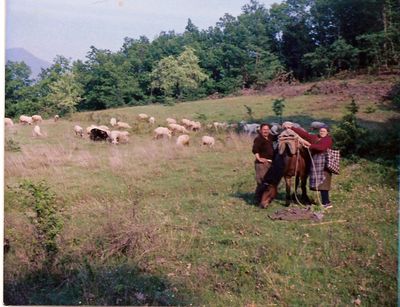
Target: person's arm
point(322, 145)
point(305, 135)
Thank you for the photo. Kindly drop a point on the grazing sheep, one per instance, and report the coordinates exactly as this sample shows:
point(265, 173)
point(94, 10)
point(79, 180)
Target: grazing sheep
point(177, 128)
point(183, 140)
point(143, 116)
point(37, 118)
point(287, 123)
point(218, 125)
point(8, 122)
point(162, 132)
point(104, 127)
point(317, 125)
point(123, 125)
point(117, 136)
point(23, 119)
point(36, 131)
point(56, 117)
point(170, 120)
point(98, 133)
point(208, 140)
point(275, 128)
point(88, 129)
point(195, 126)
point(251, 128)
point(152, 120)
point(186, 122)
point(78, 130)
point(113, 122)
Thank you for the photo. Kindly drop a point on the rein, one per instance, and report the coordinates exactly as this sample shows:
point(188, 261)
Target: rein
point(295, 172)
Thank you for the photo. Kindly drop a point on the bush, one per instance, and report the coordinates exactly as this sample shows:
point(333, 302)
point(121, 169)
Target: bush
point(11, 145)
point(41, 207)
point(348, 134)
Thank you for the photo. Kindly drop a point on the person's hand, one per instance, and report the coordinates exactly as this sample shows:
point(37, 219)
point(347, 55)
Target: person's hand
point(263, 160)
point(306, 144)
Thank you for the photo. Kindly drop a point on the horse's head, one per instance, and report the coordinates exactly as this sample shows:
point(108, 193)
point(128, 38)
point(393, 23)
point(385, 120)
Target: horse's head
point(288, 139)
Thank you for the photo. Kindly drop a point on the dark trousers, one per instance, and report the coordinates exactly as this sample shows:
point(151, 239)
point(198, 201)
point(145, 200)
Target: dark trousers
point(325, 197)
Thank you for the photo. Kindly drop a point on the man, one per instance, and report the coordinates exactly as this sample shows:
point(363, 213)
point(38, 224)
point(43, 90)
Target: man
point(264, 152)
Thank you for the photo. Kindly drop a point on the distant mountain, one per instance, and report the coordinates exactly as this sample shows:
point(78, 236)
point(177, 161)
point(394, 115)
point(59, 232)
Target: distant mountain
point(21, 55)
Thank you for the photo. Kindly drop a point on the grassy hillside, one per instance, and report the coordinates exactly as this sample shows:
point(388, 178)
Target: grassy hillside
point(149, 223)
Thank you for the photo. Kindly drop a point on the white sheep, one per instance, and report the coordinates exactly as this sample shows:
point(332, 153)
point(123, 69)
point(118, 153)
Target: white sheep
point(113, 122)
point(183, 140)
point(143, 116)
point(123, 125)
point(251, 128)
point(289, 125)
point(177, 128)
point(117, 136)
point(56, 117)
point(186, 122)
point(23, 119)
point(8, 122)
point(36, 131)
point(317, 125)
point(162, 132)
point(103, 127)
point(208, 140)
point(37, 118)
point(170, 120)
point(195, 126)
point(78, 130)
point(218, 126)
point(275, 128)
point(152, 120)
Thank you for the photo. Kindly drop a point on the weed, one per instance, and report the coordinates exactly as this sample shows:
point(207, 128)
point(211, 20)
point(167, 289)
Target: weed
point(42, 203)
point(12, 145)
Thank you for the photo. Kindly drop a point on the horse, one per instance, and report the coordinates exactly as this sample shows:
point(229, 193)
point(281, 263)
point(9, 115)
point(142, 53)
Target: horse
point(296, 164)
point(291, 160)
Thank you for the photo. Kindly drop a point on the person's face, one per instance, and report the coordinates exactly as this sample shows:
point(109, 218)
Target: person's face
point(265, 131)
point(323, 132)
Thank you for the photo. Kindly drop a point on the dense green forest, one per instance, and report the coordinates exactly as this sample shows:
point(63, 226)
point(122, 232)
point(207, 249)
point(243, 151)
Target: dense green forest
point(306, 39)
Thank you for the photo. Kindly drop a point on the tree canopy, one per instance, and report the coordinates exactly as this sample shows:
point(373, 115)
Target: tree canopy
point(309, 38)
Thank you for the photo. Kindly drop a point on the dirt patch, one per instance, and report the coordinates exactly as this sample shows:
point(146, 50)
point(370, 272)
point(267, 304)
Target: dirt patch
point(362, 87)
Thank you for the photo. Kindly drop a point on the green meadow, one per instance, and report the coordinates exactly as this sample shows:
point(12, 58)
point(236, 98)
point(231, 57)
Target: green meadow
point(150, 223)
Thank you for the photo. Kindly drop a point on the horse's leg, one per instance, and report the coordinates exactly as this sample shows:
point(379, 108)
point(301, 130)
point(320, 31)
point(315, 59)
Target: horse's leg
point(304, 195)
point(296, 185)
point(288, 181)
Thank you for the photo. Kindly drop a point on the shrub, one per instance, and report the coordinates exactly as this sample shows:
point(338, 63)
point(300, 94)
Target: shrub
point(12, 145)
point(348, 134)
point(42, 212)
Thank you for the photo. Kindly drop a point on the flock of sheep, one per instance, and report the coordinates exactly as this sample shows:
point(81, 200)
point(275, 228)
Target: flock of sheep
point(182, 129)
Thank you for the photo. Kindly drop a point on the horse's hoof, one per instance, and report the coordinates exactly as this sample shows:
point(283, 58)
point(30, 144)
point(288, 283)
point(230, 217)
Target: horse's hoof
point(264, 205)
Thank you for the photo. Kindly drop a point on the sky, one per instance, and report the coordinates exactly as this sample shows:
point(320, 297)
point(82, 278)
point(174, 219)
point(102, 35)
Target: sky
point(47, 28)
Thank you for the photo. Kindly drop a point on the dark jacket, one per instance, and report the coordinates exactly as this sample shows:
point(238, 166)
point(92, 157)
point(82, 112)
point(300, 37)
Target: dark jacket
point(263, 147)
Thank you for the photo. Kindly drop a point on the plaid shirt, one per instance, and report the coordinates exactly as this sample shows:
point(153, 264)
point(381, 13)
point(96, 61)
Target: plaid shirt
point(317, 170)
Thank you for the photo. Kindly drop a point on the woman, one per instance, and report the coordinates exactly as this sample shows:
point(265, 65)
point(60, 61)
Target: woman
point(264, 152)
point(320, 177)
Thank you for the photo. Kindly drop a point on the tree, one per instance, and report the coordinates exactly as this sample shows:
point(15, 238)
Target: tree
point(177, 76)
point(334, 58)
point(17, 87)
point(65, 94)
point(278, 106)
